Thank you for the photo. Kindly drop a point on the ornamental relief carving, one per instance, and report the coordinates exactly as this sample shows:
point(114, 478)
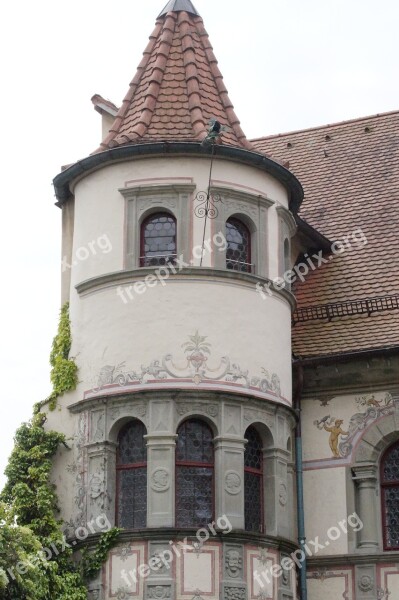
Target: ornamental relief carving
point(158, 591)
point(183, 408)
point(232, 483)
point(234, 593)
point(233, 563)
point(251, 415)
point(160, 480)
point(283, 494)
point(196, 366)
point(365, 583)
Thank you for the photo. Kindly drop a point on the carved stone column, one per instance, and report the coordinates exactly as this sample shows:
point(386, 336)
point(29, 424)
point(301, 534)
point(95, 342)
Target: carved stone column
point(278, 496)
point(160, 479)
point(101, 484)
point(229, 469)
point(365, 477)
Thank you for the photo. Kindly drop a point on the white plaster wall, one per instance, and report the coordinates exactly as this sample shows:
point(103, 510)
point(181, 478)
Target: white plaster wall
point(254, 333)
point(325, 507)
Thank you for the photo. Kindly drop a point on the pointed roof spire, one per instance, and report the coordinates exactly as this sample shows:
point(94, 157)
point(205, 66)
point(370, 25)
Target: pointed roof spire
point(177, 5)
point(178, 88)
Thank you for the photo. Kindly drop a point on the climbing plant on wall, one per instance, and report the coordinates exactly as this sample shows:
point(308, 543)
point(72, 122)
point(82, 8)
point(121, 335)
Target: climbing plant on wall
point(36, 563)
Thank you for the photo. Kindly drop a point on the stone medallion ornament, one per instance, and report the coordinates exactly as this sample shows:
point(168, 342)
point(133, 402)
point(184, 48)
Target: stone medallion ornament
point(232, 483)
point(365, 583)
point(160, 480)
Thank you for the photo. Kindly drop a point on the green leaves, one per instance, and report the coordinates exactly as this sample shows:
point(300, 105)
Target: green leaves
point(63, 374)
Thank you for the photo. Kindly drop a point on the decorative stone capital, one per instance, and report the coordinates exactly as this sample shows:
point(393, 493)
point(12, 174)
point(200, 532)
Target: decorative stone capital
point(161, 439)
point(365, 472)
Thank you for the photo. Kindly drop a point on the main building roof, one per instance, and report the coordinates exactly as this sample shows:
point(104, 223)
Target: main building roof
point(350, 176)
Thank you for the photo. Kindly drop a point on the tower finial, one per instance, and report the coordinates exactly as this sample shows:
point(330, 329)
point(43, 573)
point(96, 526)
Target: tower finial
point(178, 5)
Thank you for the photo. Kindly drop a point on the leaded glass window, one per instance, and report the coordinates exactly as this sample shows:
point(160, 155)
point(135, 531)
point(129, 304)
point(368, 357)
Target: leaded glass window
point(238, 252)
point(253, 477)
point(131, 468)
point(158, 240)
point(390, 497)
point(194, 474)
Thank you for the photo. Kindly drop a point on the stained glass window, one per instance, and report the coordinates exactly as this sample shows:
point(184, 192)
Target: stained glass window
point(158, 240)
point(390, 497)
point(238, 252)
point(253, 474)
point(194, 474)
point(131, 468)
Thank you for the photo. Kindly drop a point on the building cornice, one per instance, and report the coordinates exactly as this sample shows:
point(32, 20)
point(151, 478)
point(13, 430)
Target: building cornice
point(64, 180)
point(204, 274)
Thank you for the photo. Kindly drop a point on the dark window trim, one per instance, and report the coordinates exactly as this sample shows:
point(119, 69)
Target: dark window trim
point(384, 486)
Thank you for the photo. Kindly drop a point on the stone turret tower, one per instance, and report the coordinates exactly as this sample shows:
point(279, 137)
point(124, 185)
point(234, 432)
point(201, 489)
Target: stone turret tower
point(182, 418)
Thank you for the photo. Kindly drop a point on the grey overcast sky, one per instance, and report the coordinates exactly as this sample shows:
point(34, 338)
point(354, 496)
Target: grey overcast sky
point(288, 64)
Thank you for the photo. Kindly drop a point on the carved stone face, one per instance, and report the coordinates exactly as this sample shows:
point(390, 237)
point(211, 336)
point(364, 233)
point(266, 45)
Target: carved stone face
point(233, 563)
point(96, 487)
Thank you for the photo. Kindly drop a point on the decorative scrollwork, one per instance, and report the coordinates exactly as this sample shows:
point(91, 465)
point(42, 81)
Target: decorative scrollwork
point(206, 207)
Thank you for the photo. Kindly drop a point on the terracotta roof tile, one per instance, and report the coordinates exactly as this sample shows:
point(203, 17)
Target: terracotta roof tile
point(177, 89)
point(350, 175)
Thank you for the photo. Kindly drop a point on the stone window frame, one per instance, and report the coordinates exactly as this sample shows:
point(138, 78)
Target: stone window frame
point(365, 470)
point(253, 211)
point(274, 427)
point(142, 201)
point(287, 228)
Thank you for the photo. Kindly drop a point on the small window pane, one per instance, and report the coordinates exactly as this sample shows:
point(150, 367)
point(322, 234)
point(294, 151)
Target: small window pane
point(253, 511)
point(158, 240)
point(132, 446)
point(238, 252)
point(194, 442)
point(194, 474)
point(132, 498)
point(195, 496)
point(253, 481)
point(131, 485)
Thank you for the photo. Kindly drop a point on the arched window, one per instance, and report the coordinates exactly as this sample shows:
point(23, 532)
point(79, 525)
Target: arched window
point(253, 474)
point(131, 465)
point(238, 252)
point(194, 474)
point(390, 497)
point(158, 240)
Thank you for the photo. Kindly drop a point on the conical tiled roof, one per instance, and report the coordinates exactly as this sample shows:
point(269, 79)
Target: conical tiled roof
point(177, 89)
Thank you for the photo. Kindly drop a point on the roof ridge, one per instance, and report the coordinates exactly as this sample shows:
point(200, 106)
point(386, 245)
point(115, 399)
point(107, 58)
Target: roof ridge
point(327, 126)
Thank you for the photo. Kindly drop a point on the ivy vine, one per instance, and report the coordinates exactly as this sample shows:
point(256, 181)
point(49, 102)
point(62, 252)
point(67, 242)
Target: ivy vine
point(29, 503)
point(63, 373)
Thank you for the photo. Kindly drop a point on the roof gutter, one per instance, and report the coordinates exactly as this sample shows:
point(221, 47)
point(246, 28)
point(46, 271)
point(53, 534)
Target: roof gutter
point(95, 161)
point(320, 240)
point(345, 356)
